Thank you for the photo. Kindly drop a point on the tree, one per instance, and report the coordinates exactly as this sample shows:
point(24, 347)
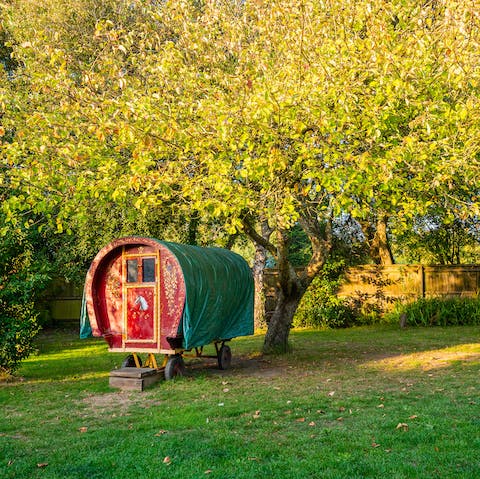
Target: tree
point(439, 240)
point(286, 134)
point(283, 112)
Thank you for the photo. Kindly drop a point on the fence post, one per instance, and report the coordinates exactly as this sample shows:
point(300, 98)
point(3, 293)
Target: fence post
point(422, 281)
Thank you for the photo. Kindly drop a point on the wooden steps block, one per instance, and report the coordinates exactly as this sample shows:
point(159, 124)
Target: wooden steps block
point(136, 379)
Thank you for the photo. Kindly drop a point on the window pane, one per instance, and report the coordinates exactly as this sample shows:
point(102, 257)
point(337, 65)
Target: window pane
point(148, 274)
point(132, 270)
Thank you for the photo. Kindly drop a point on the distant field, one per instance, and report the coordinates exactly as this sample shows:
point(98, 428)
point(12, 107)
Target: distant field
point(374, 402)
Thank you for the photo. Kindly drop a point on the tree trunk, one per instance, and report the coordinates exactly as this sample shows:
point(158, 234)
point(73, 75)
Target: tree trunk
point(258, 269)
point(381, 242)
point(276, 339)
point(291, 286)
point(192, 231)
point(377, 240)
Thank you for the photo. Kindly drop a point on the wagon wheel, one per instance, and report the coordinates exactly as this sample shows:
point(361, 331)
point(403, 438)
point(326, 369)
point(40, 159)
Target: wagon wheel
point(129, 361)
point(224, 357)
point(175, 367)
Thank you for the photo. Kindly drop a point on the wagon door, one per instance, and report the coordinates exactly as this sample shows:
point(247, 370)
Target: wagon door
point(140, 299)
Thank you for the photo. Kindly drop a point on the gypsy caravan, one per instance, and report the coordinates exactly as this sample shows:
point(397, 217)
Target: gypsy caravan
point(143, 295)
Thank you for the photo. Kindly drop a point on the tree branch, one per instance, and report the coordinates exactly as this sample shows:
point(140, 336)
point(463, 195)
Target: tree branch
point(257, 237)
point(320, 239)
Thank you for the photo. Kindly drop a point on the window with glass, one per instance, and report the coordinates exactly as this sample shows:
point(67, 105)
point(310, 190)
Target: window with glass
point(132, 270)
point(141, 270)
point(148, 270)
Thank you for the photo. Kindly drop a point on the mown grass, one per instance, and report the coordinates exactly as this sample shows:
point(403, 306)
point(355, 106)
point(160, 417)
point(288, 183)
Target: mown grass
point(367, 402)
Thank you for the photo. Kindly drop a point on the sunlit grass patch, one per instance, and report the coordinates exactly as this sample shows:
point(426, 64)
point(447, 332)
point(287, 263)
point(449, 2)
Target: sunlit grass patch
point(338, 406)
point(428, 360)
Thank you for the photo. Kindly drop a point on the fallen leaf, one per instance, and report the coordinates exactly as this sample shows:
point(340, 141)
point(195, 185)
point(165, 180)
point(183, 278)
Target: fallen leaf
point(381, 406)
point(256, 415)
point(341, 409)
point(311, 423)
point(300, 419)
point(83, 429)
point(331, 393)
point(42, 464)
point(225, 390)
point(413, 417)
point(208, 471)
point(402, 425)
point(167, 460)
point(161, 432)
point(339, 418)
point(374, 444)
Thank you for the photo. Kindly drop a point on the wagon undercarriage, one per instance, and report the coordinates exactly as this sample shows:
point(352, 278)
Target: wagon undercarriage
point(173, 365)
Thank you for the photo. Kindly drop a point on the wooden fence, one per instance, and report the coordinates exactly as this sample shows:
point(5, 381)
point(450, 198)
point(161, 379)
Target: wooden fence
point(62, 302)
point(383, 285)
point(406, 282)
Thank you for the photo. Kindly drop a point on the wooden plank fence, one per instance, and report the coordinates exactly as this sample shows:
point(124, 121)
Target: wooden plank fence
point(405, 282)
point(62, 302)
point(383, 285)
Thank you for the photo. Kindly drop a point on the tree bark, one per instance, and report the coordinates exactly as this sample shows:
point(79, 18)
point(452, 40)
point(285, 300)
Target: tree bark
point(381, 243)
point(289, 292)
point(258, 269)
point(377, 240)
point(276, 339)
point(291, 286)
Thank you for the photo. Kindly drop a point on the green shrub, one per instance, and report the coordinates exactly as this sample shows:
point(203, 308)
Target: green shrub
point(23, 274)
point(18, 328)
point(438, 312)
point(321, 308)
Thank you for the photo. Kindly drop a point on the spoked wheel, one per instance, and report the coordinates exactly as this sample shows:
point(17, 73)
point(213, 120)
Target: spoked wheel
point(224, 357)
point(129, 362)
point(175, 367)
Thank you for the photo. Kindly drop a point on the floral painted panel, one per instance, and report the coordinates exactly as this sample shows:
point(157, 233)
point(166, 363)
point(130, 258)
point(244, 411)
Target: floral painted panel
point(172, 296)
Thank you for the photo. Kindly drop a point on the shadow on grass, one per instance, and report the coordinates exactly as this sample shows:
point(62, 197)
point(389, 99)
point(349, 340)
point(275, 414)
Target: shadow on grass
point(63, 356)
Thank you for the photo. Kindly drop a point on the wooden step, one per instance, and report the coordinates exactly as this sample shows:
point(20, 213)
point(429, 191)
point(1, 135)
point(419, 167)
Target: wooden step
point(136, 379)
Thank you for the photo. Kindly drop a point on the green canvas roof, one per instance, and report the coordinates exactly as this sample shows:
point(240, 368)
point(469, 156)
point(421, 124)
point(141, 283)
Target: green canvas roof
point(219, 294)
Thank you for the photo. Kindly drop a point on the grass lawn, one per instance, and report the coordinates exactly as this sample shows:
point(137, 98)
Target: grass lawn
point(374, 402)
